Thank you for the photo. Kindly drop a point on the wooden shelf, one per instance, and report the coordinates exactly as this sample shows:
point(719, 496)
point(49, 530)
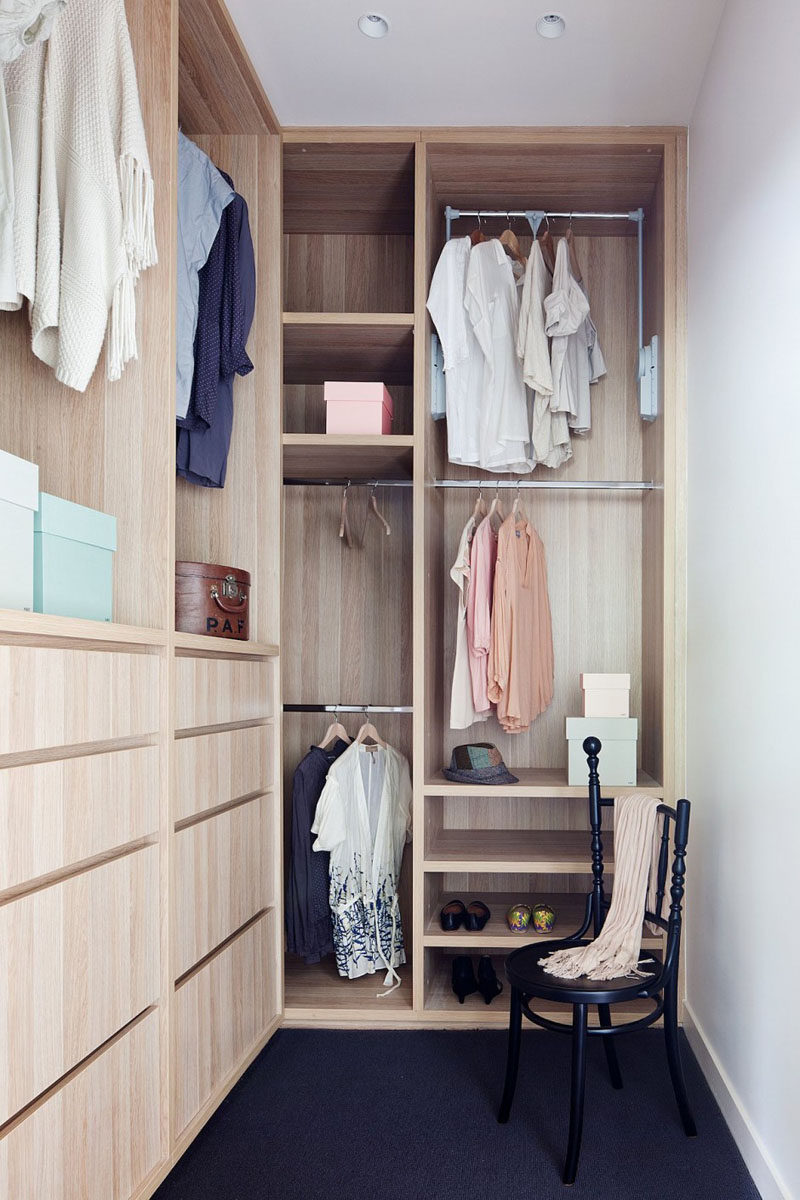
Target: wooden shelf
point(27, 625)
point(533, 781)
point(345, 456)
point(474, 1011)
point(569, 908)
point(516, 851)
point(318, 993)
point(353, 346)
point(222, 647)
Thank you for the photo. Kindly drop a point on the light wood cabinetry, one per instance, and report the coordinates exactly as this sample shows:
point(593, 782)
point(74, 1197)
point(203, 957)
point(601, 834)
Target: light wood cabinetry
point(145, 775)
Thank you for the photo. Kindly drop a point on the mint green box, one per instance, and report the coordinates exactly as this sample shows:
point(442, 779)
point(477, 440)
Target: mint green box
point(73, 563)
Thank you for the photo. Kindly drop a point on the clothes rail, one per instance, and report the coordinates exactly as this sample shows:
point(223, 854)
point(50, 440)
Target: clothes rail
point(579, 485)
point(349, 482)
point(647, 362)
point(348, 708)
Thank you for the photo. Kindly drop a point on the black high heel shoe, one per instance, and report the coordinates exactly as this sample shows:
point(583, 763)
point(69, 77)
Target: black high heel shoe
point(464, 981)
point(488, 983)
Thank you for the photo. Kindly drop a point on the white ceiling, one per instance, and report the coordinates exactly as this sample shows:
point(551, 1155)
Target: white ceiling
point(461, 62)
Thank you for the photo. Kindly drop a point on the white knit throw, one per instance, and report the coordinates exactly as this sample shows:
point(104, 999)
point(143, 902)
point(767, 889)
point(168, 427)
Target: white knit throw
point(614, 954)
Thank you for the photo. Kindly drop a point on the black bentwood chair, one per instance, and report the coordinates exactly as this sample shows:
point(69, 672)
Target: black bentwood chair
point(529, 981)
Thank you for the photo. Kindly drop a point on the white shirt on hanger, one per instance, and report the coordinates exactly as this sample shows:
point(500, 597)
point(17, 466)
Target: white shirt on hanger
point(462, 709)
point(492, 301)
point(550, 430)
point(463, 358)
point(363, 818)
point(576, 358)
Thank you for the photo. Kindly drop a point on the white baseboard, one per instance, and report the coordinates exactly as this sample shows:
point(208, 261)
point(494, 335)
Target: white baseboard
point(751, 1147)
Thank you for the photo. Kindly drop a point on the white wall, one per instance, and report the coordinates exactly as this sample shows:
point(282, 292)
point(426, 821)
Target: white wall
point(743, 921)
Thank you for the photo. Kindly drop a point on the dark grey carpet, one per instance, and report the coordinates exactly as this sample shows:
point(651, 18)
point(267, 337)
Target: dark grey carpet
point(411, 1115)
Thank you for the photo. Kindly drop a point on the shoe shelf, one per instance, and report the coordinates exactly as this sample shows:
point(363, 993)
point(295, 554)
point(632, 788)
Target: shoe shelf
point(569, 909)
point(533, 781)
point(514, 851)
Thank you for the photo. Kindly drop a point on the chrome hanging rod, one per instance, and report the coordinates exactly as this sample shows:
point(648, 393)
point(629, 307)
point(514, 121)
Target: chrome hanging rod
point(348, 708)
point(579, 485)
point(347, 482)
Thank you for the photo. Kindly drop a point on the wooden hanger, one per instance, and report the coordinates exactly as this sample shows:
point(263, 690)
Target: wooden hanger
point(368, 730)
point(496, 515)
point(511, 242)
point(517, 511)
point(573, 257)
point(373, 507)
point(344, 524)
point(547, 248)
point(477, 234)
point(334, 730)
point(479, 511)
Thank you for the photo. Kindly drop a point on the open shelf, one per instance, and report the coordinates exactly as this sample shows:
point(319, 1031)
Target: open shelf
point(347, 456)
point(319, 992)
point(569, 908)
point(221, 647)
point(515, 851)
point(533, 781)
point(353, 346)
point(22, 625)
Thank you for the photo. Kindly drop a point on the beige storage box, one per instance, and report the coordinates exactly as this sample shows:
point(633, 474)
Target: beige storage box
point(606, 695)
point(617, 756)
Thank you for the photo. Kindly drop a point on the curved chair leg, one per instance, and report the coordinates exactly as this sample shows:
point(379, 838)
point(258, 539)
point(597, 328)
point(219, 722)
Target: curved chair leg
point(512, 1061)
point(674, 1059)
point(579, 1017)
point(604, 1013)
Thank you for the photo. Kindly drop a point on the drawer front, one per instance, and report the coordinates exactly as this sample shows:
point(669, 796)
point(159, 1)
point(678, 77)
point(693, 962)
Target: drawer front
point(82, 960)
point(57, 697)
point(220, 879)
point(212, 691)
point(97, 1137)
point(215, 768)
point(220, 1014)
point(55, 814)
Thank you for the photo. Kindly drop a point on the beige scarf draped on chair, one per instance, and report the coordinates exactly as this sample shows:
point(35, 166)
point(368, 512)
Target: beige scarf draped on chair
point(615, 952)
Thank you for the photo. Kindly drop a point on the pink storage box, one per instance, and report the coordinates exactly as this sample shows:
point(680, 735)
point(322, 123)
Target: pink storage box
point(357, 408)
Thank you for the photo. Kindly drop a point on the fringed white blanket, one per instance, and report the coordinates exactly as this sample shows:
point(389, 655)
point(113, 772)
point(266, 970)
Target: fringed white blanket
point(614, 954)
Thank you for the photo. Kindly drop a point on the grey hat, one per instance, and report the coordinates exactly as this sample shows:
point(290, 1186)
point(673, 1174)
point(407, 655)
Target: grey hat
point(478, 762)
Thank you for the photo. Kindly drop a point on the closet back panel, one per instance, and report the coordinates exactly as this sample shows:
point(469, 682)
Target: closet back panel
point(347, 610)
point(110, 447)
point(333, 272)
point(304, 408)
point(232, 525)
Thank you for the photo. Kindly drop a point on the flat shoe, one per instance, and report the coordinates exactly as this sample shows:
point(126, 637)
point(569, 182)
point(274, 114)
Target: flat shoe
point(476, 915)
point(452, 916)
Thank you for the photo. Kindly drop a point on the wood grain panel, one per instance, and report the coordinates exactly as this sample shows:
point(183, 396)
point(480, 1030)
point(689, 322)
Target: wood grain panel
point(314, 352)
point(347, 610)
point(550, 852)
point(328, 272)
point(319, 993)
point(347, 456)
point(218, 767)
point(55, 814)
point(304, 409)
point(231, 525)
point(57, 697)
point(348, 188)
point(212, 691)
point(98, 1136)
point(81, 960)
point(220, 91)
point(222, 878)
point(220, 1013)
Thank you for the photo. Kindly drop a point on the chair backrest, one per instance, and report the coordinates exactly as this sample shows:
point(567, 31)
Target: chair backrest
point(675, 830)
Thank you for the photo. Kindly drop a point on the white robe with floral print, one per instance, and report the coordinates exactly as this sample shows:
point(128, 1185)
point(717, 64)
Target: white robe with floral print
point(363, 818)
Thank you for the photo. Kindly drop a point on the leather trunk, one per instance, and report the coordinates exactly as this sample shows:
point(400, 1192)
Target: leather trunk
point(212, 599)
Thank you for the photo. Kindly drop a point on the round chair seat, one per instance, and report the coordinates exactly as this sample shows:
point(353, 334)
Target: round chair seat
point(523, 972)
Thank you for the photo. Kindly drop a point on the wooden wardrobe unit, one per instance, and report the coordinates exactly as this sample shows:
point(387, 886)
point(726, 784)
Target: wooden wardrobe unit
point(142, 812)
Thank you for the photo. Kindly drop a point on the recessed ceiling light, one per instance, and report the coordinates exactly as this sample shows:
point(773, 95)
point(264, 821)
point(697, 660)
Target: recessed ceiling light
point(373, 25)
point(551, 25)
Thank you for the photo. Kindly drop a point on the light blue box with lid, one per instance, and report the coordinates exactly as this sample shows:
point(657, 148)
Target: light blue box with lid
point(73, 560)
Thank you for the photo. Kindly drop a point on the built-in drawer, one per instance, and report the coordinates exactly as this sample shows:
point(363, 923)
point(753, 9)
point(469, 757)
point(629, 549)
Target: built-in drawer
point(214, 691)
point(216, 768)
point(55, 814)
point(221, 1012)
point(98, 1136)
point(222, 879)
point(80, 960)
point(59, 697)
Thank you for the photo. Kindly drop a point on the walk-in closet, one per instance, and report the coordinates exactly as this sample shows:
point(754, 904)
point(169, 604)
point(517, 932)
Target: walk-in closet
point(146, 774)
